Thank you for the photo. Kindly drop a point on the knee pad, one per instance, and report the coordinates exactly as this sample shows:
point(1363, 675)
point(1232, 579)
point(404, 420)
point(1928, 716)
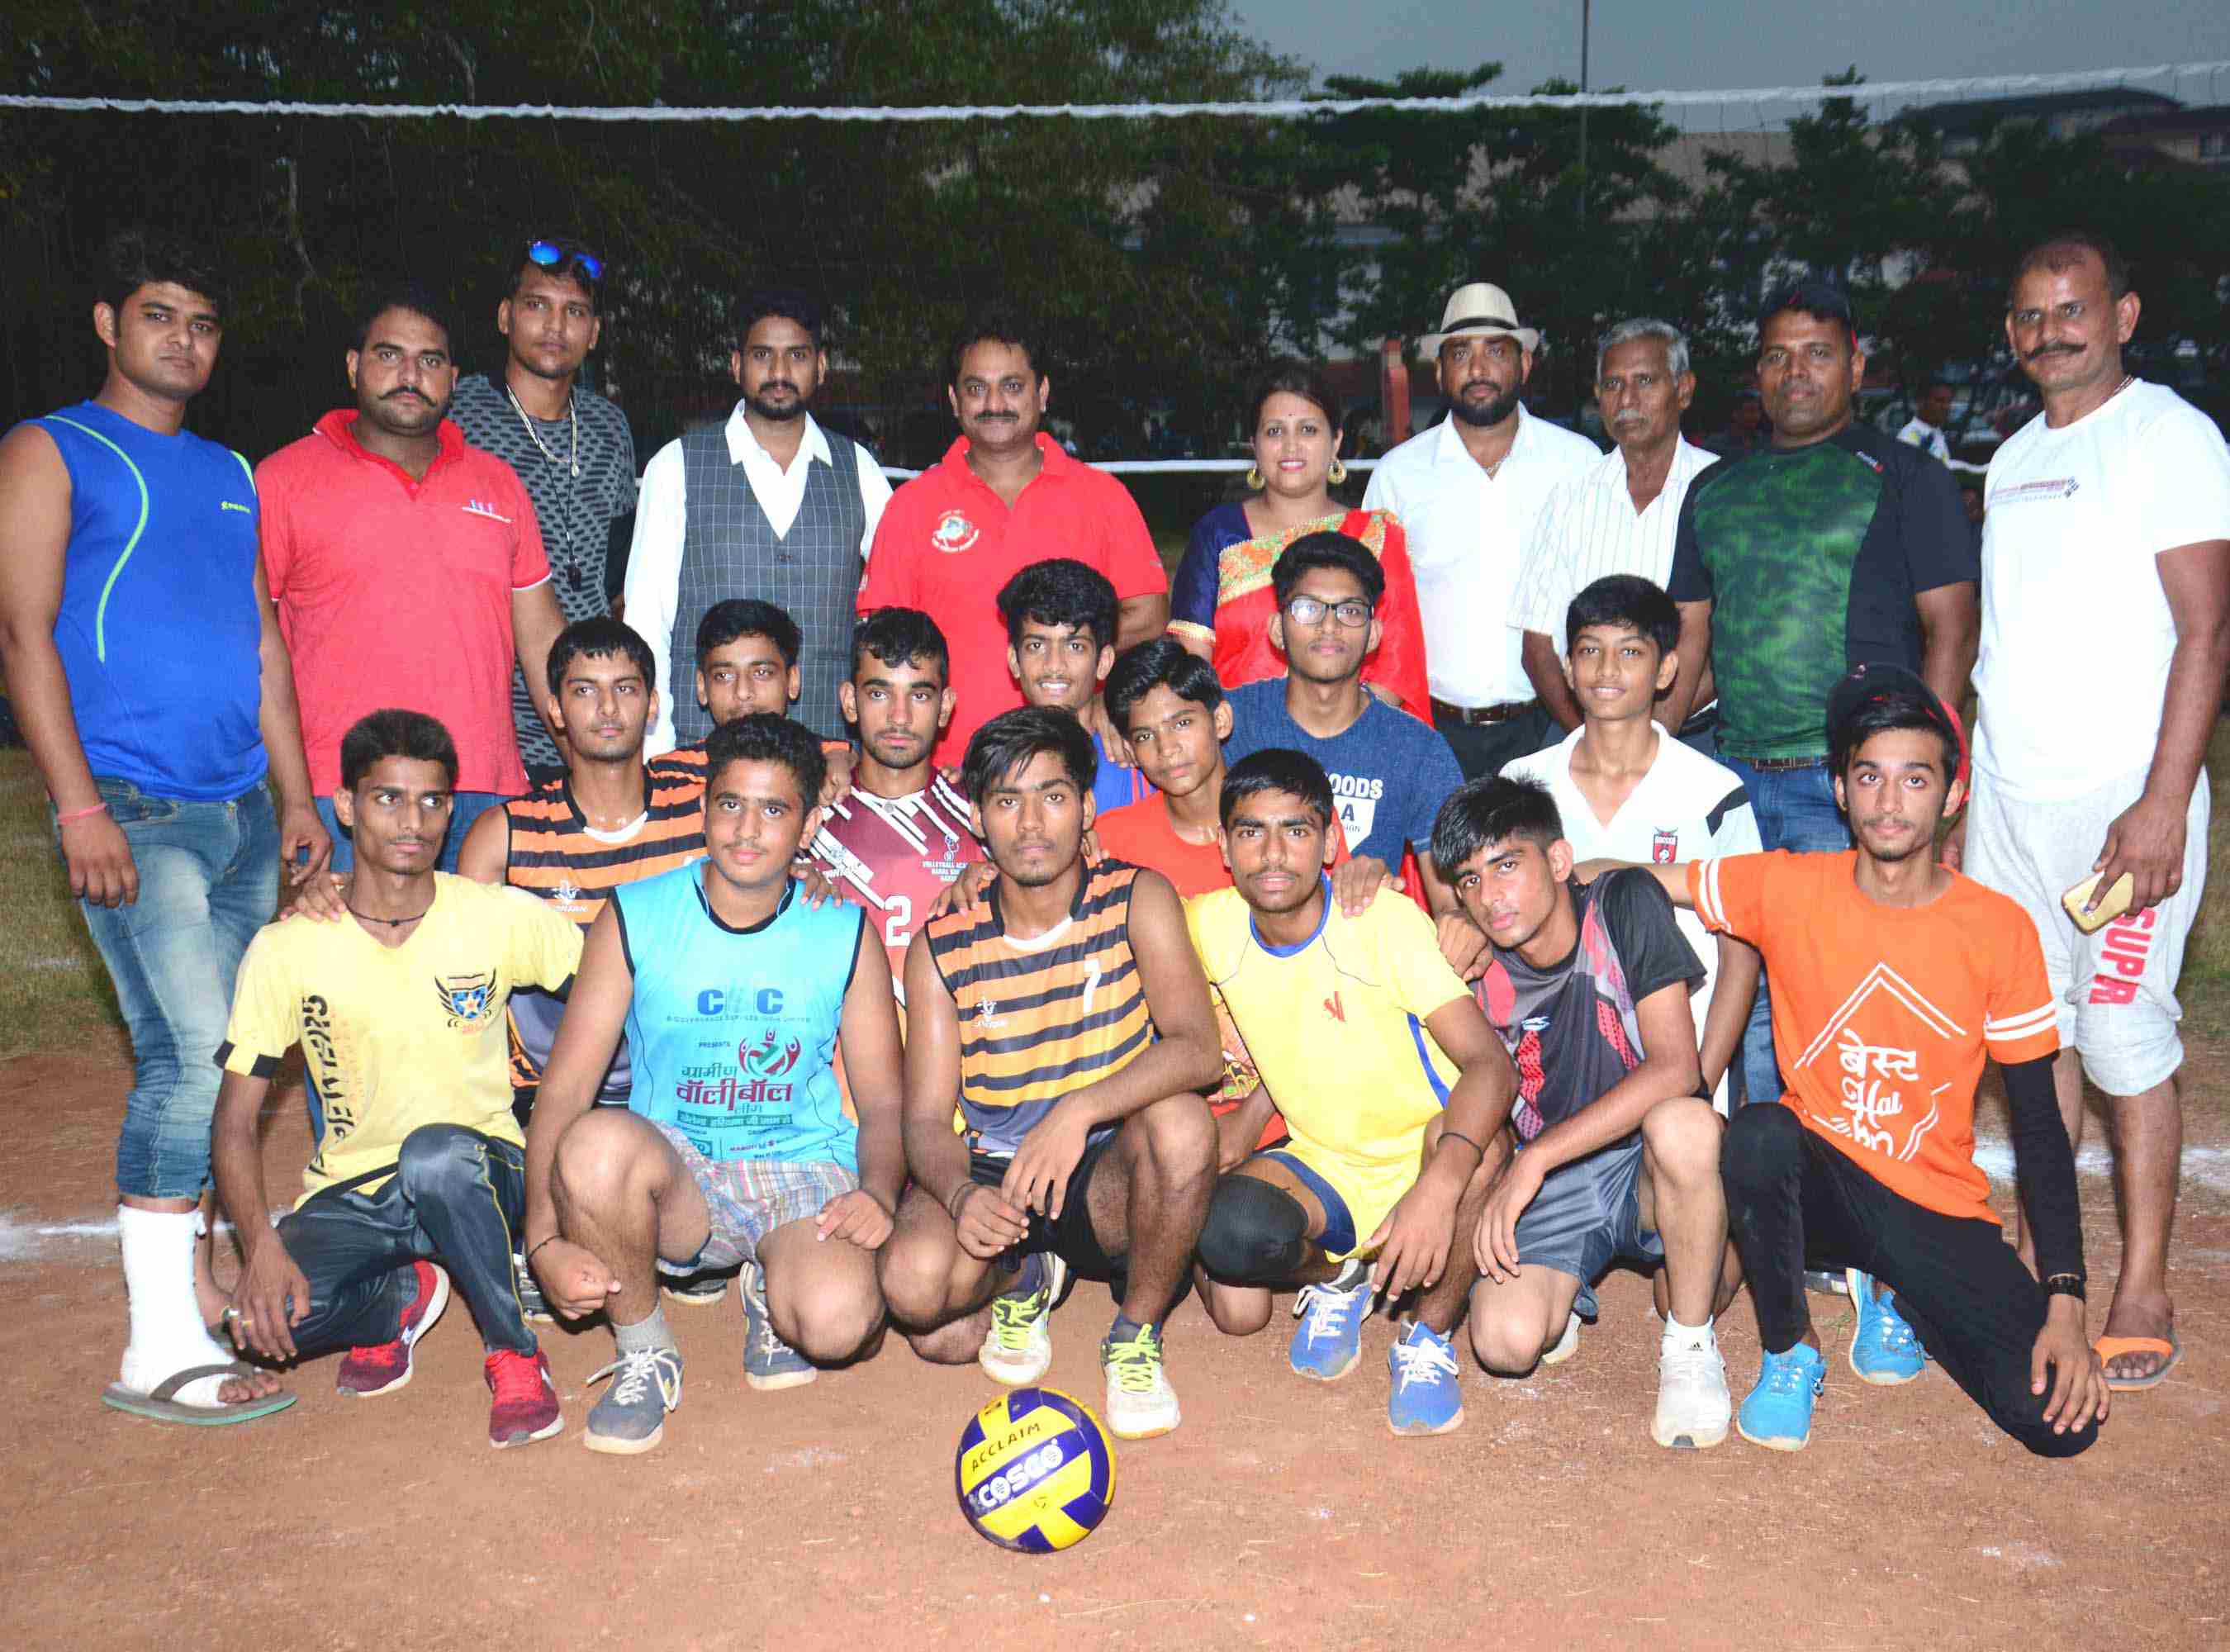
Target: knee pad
point(1254, 1234)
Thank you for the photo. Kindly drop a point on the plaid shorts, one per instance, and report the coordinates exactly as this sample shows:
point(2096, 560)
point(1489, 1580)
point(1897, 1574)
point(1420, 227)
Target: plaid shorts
point(748, 1198)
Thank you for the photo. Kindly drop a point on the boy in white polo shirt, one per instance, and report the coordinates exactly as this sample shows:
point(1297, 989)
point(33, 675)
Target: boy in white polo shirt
point(1629, 792)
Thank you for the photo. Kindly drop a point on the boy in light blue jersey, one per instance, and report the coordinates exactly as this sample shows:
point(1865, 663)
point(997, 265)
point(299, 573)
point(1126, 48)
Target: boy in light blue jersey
point(734, 1146)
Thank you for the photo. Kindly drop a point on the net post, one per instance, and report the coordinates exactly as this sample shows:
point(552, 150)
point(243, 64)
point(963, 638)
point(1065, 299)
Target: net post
point(1393, 392)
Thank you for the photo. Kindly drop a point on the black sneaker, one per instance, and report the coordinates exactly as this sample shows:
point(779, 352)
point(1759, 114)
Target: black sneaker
point(530, 1305)
point(695, 1290)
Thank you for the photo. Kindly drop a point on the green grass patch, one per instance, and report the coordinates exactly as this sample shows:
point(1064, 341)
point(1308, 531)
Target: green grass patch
point(54, 989)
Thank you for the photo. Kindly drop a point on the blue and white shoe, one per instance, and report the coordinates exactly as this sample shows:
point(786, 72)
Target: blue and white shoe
point(1329, 1339)
point(1884, 1350)
point(1426, 1397)
point(768, 1362)
point(1777, 1414)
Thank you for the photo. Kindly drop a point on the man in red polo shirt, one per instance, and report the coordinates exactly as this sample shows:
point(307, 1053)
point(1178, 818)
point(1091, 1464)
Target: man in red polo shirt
point(407, 567)
point(1005, 495)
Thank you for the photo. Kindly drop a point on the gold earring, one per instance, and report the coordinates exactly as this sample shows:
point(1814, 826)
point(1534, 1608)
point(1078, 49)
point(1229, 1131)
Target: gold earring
point(1338, 474)
point(1254, 482)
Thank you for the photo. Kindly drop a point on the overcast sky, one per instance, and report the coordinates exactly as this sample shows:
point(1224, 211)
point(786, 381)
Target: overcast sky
point(1724, 43)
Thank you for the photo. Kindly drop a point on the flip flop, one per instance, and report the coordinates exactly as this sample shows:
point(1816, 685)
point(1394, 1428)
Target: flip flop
point(2114, 1347)
point(161, 1401)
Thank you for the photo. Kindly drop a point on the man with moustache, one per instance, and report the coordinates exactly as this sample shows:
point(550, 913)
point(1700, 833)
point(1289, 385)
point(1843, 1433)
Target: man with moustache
point(408, 566)
point(571, 446)
point(1006, 494)
point(2106, 637)
point(1469, 492)
point(768, 504)
point(1617, 515)
point(1837, 547)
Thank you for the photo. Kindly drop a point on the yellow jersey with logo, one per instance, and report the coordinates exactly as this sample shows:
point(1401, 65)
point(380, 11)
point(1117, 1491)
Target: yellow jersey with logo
point(1337, 1024)
point(394, 1037)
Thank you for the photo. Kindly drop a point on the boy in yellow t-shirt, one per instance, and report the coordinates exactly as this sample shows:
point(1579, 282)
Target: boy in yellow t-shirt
point(1394, 1086)
point(418, 1177)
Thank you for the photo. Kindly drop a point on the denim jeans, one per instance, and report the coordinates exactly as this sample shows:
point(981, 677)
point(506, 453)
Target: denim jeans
point(456, 1197)
point(468, 807)
point(1795, 810)
point(208, 880)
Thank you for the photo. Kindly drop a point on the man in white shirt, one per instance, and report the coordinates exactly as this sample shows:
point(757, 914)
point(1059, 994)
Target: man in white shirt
point(2106, 637)
point(1616, 516)
point(1924, 429)
point(767, 504)
point(1468, 492)
point(1628, 793)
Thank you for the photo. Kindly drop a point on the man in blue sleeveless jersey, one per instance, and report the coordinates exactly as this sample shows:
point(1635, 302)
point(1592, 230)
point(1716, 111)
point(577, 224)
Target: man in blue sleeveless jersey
point(734, 1146)
point(147, 670)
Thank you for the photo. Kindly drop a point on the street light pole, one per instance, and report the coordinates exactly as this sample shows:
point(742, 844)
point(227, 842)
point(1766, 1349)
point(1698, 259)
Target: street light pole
point(1587, 9)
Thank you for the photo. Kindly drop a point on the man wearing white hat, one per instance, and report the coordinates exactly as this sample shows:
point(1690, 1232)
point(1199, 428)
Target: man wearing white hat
point(1468, 491)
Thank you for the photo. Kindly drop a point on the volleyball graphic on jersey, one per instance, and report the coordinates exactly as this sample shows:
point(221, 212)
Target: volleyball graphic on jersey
point(1035, 1471)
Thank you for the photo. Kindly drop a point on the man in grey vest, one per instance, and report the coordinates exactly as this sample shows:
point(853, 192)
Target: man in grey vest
point(768, 505)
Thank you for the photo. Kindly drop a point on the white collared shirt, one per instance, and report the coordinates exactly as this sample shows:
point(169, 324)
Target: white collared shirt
point(1919, 433)
point(653, 573)
point(1467, 533)
point(1590, 530)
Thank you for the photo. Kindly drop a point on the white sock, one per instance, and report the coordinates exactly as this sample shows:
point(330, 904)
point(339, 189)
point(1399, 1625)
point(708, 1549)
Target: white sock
point(167, 1333)
point(1689, 1332)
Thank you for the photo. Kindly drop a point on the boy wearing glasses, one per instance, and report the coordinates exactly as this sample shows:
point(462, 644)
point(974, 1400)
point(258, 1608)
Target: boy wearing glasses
point(1388, 771)
point(570, 447)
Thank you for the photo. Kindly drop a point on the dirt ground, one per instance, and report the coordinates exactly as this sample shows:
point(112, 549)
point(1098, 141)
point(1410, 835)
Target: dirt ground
point(1281, 1513)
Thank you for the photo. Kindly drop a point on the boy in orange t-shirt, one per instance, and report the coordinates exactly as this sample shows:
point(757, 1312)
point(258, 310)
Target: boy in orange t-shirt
point(1895, 978)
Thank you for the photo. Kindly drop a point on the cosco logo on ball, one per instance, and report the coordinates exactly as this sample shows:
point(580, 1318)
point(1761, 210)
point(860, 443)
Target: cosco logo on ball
point(1000, 1488)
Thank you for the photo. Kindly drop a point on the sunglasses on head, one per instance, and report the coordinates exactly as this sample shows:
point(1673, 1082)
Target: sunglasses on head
point(556, 256)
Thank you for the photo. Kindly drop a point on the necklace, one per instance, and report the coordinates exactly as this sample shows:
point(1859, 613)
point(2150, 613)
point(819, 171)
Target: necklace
point(572, 412)
point(392, 923)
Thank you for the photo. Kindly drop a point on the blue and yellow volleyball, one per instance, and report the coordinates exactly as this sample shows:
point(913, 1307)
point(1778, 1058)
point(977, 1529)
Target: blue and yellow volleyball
point(1035, 1471)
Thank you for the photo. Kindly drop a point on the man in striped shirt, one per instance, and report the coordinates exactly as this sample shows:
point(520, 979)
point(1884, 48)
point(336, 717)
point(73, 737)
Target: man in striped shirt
point(1086, 1143)
point(902, 835)
point(1617, 515)
point(609, 819)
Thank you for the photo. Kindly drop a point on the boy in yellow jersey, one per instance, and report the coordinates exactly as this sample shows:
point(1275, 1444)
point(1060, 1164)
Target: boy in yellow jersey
point(1390, 1079)
point(419, 1178)
point(1067, 1017)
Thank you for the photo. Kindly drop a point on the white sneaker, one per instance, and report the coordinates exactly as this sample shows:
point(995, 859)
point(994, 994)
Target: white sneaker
point(1140, 1402)
point(1693, 1407)
point(1018, 1348)
point(1568, 1344)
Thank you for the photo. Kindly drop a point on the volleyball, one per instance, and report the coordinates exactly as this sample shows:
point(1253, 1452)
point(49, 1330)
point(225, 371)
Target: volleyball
point(1035, 1471)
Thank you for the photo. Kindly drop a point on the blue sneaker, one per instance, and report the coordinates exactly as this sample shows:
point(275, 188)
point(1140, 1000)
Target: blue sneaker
point(1777, 1415)
point(1329, 1339)
point(1426, 1397)
point(1884, 1350)
point(768, 1362)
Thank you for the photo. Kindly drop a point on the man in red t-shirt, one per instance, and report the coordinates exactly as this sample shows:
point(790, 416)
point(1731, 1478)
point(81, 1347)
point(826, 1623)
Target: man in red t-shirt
point(1005, 495)
point(407, 567)
point(1895, 980)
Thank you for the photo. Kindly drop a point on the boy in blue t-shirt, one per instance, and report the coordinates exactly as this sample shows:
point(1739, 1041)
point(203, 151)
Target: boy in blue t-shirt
point(1390, 772)
point(1060, 616)
point(734, 1146)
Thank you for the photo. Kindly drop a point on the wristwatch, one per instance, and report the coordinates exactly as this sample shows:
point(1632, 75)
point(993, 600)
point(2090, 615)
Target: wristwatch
point(2065, 1285)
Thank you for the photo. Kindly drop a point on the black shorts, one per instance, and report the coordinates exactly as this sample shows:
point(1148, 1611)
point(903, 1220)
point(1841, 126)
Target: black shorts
point(1068, 1235)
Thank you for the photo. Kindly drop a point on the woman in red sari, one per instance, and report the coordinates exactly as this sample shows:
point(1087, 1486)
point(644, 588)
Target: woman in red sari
point(1220, 602)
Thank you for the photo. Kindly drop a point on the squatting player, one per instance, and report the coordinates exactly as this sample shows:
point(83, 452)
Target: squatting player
point(734, 1146)
point(419, 1177)
point(1087, 1145)
point(1620, 1149)
point(1390, 1079)
point(1895, 980)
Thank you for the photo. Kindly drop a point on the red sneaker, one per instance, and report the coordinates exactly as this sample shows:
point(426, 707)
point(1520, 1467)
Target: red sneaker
point(525, 1408)
point(386, 1366)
